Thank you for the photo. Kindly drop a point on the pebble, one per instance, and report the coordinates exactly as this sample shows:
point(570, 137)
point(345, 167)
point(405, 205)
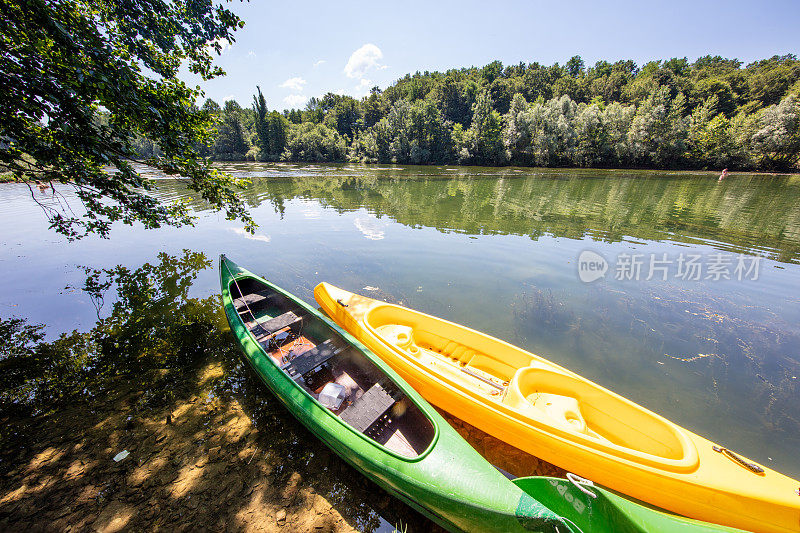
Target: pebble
point(280, 516)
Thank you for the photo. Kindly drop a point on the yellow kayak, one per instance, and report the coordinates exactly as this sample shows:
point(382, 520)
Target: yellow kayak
point(563, 418)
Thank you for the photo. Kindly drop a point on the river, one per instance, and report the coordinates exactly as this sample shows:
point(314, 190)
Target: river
point(696, 315)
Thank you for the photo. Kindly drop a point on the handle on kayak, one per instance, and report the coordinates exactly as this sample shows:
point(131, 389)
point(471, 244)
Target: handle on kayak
point(581, 483)
point(735, 458)
point(340, 302)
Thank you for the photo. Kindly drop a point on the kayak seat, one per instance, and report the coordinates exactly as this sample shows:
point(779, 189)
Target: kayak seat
point(262, 330)
point(311, 359)
point(368, 409)
point(565, 402)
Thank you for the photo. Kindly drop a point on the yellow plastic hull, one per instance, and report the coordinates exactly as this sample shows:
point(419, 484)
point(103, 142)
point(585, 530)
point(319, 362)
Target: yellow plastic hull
point(548, 411)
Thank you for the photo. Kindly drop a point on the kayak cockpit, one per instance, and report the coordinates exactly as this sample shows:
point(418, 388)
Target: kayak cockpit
point(330, 369)
point(533, 390)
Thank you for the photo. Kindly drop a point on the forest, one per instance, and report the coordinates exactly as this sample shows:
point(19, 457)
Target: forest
point(709, 114)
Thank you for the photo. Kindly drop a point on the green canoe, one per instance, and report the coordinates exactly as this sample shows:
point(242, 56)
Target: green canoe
point(389, 433)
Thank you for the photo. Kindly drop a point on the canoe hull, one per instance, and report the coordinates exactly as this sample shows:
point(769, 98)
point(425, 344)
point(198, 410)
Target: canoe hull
point(472, 497)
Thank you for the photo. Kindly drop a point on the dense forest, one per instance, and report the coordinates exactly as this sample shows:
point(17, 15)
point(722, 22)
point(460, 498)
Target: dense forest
point(712, 113)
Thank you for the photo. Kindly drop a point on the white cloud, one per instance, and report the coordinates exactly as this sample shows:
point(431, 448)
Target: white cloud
point(318, 63)
point(229, 97)
point(295, 100)
point(295, 84)
point(251, 54)
point(363, 87)
point(257, 237)
point(371, 228)
point(363, 59)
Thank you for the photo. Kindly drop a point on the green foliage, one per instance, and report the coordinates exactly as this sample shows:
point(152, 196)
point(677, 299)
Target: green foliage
point(230, 144)
point(271, 129)
point(314, 142)
point(485, 139)
point(658, 131)
point(345, 117)
point(666, 114)
point(778, 138)
point(85, 81)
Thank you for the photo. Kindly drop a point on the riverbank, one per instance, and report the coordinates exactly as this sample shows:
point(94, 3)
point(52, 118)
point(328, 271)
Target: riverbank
point(199, 462)
point(193, 464)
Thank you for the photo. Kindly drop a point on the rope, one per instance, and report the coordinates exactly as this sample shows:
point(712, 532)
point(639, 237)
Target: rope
point(241, 294)
point(581, 483)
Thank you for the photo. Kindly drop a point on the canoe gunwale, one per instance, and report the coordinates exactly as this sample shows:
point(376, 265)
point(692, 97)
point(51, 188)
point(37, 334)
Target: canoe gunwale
point(455, 505)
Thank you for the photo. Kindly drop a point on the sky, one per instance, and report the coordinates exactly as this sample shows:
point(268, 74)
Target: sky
point(297, 50)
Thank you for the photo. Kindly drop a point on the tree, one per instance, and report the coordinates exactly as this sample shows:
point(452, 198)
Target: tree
point(261, 121)
point(659, 129)
point(372, 106)
point(574, 66)
point(230, 144)
point(278, 128)
point(344, 117)
point(517, 131)
point(617, 119)
point(486, 132)
point(83, 79)
point(591, 142)
point(314, 142)
point(777, 141)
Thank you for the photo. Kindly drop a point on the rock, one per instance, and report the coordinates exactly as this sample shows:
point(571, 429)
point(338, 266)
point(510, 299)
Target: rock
point(280, 517)
point(214, 453)
point(291, 488)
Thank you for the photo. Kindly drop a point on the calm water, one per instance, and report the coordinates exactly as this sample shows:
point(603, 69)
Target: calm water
point(498, 250)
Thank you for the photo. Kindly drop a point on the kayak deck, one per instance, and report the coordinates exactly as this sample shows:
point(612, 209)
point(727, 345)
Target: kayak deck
point(313, 355)
point(529, 389)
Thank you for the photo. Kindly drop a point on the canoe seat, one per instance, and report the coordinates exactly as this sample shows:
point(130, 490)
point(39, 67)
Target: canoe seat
point(311, 359)
point(253, 299)
point(368, 409)
point(262, 330)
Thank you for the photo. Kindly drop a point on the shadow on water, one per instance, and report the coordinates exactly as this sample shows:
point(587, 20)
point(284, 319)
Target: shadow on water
point(160, 377)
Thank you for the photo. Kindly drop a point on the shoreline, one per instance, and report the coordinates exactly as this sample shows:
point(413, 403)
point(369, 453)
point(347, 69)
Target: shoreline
point(671, 171)
point(197, 463)
point(222, 454)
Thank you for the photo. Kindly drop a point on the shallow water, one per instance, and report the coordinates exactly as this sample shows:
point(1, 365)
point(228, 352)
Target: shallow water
point(497, 249)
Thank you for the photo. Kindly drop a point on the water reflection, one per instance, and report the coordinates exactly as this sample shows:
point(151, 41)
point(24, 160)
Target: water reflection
point(747, 213)
point(723, 344)
point(160, 376)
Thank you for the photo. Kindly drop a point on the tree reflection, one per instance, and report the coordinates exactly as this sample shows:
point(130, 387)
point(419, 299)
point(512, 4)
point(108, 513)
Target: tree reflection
point(755, 213)
point(160, 375)
point(153, 323)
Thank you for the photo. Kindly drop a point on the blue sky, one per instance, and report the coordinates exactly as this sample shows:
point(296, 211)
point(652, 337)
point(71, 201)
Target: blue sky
point(301, 49)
